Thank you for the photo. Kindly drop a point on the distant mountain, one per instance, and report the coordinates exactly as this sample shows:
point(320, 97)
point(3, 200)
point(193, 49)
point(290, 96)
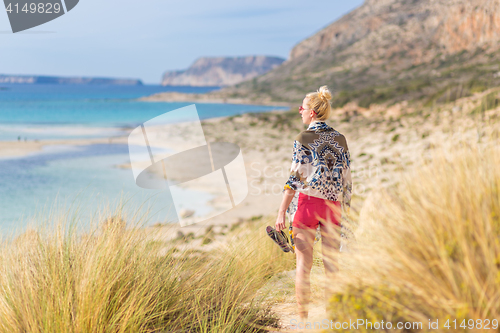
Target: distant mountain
point(34, 79)
point(390, 50)
point(221, 71)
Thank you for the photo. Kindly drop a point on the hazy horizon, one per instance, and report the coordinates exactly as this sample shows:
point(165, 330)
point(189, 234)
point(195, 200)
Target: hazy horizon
point(126, 40)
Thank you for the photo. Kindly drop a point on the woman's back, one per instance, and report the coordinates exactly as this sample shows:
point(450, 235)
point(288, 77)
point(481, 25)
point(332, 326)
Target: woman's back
point(321, 163)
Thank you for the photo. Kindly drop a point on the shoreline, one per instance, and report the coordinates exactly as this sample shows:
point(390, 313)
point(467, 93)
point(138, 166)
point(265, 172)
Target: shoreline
point(19, 149)
point(207, 98)
point(384, 143)
point(252, 206)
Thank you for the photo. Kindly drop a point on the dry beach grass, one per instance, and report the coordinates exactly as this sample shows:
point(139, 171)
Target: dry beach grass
point(429, 248)
point(116, 279)
point(427, 238)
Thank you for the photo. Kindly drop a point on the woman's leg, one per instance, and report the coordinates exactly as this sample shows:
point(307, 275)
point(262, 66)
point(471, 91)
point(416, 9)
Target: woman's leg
point(304, 241)
point(330, 245)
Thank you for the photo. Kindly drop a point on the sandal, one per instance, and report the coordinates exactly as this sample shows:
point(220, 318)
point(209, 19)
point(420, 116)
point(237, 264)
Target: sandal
point(280, 238)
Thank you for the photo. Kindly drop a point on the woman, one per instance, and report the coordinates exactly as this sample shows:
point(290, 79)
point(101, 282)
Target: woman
point(320, 172)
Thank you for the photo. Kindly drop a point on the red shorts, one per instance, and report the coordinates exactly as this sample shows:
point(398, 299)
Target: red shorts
point(310, 211)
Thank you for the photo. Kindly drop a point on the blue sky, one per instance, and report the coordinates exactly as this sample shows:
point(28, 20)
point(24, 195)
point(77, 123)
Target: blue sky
point(142, 39)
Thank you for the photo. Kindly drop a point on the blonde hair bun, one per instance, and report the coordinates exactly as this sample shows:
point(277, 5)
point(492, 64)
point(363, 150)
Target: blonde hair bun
point(324, 94)
point(319, 101)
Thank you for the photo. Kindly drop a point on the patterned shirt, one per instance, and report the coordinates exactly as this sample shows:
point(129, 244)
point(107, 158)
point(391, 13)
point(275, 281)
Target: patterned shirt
point(321, 165)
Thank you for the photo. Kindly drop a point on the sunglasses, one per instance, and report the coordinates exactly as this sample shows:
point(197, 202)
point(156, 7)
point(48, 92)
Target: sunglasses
point(302, 109)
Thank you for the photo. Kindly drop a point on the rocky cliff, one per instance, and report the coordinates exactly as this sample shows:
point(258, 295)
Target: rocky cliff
point(420, 28)
point(386, 50)
point(30, 79)
point(221, 71)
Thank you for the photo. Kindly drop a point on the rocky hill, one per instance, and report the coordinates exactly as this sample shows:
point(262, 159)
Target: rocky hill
point(390, 50)
point(33, 79)
point(221, 71)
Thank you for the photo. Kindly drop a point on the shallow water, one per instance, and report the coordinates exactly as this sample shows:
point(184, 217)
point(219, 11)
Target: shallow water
point(87, 175)
point(84, 178)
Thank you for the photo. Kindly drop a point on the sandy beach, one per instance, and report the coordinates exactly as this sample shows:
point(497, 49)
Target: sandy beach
point(212, 97)
point(384, 143)
point(24, 148)
point(144, 160)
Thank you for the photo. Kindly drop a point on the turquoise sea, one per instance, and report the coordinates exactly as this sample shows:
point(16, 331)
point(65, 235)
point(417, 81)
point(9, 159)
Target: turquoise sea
point(84, 180)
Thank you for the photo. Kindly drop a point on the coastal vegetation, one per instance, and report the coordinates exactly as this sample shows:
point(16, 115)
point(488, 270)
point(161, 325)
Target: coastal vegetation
point(419, 104)
point(430, 249)
point(116, 279)
point(425, 227)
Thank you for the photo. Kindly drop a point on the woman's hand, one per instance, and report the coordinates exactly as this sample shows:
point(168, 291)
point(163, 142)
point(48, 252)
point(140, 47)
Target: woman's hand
point(280, 221)
point(287, 198)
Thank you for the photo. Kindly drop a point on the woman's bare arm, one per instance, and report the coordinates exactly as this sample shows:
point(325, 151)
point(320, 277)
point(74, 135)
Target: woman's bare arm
point(287, 198)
